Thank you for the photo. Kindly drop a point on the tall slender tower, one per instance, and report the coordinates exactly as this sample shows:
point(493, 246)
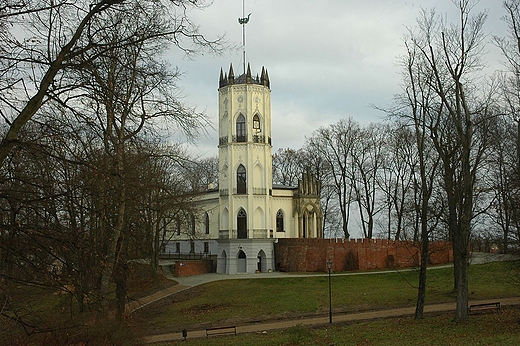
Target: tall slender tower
point(245, 158)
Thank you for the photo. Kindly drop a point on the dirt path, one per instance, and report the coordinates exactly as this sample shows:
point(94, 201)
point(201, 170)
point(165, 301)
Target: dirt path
point(322, 320)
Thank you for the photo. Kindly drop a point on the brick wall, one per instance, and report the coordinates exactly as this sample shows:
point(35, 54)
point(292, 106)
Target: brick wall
point(192, 267)
point(311, 255)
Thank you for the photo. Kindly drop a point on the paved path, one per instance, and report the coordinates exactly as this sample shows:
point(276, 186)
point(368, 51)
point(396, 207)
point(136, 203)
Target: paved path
point(191, 281)
point(339, 318)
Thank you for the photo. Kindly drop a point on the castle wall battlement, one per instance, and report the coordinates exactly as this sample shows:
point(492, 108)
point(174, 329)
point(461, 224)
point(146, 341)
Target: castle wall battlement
point(311, 255)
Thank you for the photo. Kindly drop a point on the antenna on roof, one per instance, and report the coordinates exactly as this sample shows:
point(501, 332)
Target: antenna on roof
point(243, 21)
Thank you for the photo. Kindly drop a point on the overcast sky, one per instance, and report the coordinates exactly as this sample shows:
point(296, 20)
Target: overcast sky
point(327, 59)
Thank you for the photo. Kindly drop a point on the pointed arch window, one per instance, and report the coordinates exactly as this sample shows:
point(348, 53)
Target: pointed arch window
point(256, 123)
point(241, 128)
point(241, 180)
point(241, 224)
point(279, 221)
point(206, 223)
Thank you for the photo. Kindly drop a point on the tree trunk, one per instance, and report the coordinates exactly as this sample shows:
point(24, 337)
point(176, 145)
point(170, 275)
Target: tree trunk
point(462, 289)
point(421, 292)
point(120, 278)
point(116, 239)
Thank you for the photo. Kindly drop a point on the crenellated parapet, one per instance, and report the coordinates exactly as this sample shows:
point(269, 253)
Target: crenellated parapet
point(311, 255)
point(247, 78)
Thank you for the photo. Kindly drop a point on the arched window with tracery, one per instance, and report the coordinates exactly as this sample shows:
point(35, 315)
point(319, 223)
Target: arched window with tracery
point(241, 224)
point(279, 221)
point(241, 180)
point(241, 128)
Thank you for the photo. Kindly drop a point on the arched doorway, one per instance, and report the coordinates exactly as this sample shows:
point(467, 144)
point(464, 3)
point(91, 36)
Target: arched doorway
point(262, 262)
point(242, 262)
point(222, 263)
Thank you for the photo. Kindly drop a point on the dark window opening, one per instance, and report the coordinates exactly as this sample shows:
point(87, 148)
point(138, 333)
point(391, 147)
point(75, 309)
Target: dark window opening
point(241, 128)
point(241, 180)
point(279, 221)
point(242, 224)
point(206, 223)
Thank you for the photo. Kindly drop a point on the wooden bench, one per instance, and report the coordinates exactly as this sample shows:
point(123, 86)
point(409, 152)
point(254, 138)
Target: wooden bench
point(229, 330)
point(483, 307)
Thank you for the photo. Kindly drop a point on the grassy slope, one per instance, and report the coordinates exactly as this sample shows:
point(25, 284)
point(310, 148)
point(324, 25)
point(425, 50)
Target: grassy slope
point(238, 301)
point(489, 329)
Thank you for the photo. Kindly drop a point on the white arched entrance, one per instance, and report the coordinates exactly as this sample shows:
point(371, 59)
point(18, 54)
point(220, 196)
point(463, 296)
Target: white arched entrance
point(222, 267)
point(262, 262)
point(242, 262)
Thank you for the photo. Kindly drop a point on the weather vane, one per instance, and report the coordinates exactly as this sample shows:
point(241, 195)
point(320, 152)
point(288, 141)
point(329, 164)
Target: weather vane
point(243, 21)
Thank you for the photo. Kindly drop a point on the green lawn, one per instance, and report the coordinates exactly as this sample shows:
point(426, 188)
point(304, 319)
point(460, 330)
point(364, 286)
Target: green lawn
point(233, 301)
point(499, 329)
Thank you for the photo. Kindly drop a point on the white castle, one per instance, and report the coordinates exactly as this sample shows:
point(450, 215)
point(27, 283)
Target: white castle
point(242, 218)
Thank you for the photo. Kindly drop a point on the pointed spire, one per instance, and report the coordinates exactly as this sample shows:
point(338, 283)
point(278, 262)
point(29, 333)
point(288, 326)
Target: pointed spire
point(231, 75)
point(248, 74)
point(265, 79)
point(247, 78)
point(221, 81)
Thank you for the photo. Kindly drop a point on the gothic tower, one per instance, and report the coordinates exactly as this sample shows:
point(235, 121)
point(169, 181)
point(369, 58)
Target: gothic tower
point(245, 161)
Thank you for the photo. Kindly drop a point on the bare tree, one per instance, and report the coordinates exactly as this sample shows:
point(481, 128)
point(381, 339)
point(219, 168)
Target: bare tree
point(334, 144)
point(201, 174)
point(414, 109)
point(510, 47)
point(288, 166)
point(60, 37)
point(499, 181)
point(447, 59)
point(100, 89)
point(367, 160)
point(129, 88)
point(396, 177)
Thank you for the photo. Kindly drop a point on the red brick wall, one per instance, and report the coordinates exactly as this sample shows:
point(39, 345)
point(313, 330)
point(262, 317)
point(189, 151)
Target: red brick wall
point(189, 268)
point(311, 255)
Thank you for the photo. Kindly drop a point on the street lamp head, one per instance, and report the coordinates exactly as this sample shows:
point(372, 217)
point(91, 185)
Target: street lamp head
point(329, 264)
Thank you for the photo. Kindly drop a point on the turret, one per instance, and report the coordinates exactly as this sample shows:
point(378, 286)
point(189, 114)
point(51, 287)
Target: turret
point(246, 78)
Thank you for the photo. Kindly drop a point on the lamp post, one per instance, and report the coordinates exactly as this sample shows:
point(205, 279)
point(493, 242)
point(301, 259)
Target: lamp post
point(329, 266)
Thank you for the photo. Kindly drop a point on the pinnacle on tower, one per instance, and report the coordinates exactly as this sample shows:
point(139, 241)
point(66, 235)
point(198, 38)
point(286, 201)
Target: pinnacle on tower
point(231, 75)
point(264, 79)
point(246, 78)
point(221, 81)
point(248, 74)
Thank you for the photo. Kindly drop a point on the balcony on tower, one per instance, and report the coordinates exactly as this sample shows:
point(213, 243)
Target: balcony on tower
point(246, 233)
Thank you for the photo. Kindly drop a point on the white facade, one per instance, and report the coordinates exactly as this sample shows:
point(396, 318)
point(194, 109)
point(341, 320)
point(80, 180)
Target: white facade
point(243, 218)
